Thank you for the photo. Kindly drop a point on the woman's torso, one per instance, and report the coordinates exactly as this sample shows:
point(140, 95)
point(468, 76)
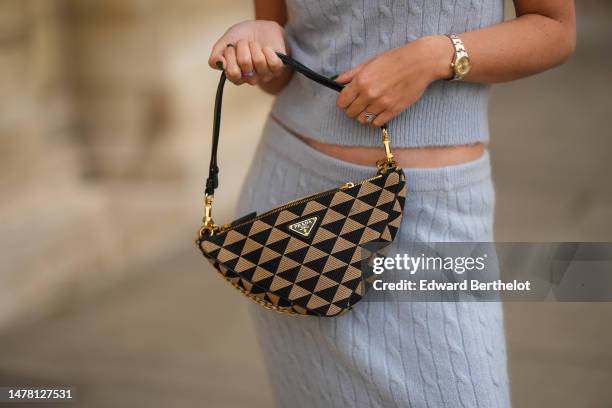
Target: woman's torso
point(448, 124)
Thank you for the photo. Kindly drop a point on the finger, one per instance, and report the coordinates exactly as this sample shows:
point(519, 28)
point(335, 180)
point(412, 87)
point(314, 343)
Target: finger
point(374, 109)
point(216, 59)
point(347, 96)
point(347, 76)
point(245, 61)
point(259, 61)
point(232, 70)
point(274, 63)
point(357, 106)
point(383, 118)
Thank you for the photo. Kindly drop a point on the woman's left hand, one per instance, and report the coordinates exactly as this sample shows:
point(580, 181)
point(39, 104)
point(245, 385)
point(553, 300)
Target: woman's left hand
point(389, 83)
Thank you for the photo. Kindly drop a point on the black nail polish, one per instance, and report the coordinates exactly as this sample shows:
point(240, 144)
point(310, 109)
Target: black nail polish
point(219, 65)
point(334, 77)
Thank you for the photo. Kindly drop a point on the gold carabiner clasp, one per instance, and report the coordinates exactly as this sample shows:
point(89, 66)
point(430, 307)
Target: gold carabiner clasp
point(208, 225)
point(387, 143)
point(386, 162)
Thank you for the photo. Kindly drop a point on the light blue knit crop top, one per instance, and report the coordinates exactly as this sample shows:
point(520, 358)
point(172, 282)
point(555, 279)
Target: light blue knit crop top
point(332, 36)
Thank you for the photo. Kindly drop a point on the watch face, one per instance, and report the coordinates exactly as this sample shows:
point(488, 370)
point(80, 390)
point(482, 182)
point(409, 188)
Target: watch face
point(462, 66)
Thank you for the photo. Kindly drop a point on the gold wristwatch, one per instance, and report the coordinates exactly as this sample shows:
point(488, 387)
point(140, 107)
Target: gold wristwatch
point(461, 64)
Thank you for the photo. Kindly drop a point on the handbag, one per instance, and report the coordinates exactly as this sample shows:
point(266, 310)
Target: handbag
point(305, 257)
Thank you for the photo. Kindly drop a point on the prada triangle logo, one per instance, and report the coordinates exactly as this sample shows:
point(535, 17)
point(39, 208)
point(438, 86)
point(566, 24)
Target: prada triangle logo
point(304, 227)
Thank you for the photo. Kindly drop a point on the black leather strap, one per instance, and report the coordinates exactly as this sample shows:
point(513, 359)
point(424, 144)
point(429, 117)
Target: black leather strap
point(309, 73)
point(213, 174)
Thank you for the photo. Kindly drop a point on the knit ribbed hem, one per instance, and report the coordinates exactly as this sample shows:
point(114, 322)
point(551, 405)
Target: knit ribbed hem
point(448, 114)
point(289, 147)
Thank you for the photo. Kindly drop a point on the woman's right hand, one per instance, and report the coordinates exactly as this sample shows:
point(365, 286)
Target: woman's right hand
point(251, 56)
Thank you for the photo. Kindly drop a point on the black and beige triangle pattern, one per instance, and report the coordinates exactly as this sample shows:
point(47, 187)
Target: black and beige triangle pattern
point(319, 274)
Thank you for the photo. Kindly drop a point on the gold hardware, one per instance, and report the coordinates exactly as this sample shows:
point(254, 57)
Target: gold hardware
point(262, 302)
point(387, 162)
point(208, 225)
point(346, 185)
point(304, 227)
point(387, 143)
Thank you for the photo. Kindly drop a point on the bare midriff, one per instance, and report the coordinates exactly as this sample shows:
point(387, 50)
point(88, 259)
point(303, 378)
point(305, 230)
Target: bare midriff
point(405, 157)
point(425, 157)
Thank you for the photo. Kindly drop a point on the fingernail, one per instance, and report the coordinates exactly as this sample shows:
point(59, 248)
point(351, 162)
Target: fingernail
point(334, 77)
point(220, 65)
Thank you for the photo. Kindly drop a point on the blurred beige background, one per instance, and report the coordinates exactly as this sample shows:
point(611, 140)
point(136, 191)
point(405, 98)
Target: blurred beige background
point(105, 117)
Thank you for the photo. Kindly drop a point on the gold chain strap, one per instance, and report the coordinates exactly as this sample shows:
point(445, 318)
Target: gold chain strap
point(268, 305)
point(262, 302)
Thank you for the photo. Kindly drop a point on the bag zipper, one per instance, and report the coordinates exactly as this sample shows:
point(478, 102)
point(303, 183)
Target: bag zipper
point(345, 186)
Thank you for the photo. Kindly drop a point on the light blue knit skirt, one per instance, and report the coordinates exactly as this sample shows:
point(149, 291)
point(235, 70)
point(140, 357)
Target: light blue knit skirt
point(384, 354)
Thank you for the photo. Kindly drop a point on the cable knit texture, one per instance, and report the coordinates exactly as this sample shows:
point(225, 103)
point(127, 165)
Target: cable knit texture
point(391, 353)
point(335, 35)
